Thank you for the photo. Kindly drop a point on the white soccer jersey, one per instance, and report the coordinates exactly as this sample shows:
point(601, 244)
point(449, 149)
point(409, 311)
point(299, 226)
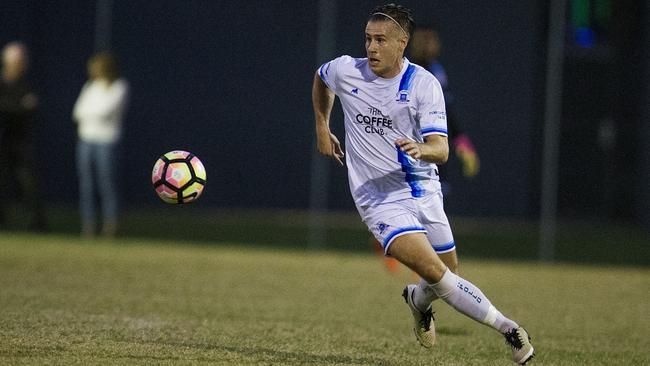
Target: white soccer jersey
point(378, 111)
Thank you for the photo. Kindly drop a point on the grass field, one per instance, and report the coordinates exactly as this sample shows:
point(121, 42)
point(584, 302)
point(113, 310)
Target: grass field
point(143, 302)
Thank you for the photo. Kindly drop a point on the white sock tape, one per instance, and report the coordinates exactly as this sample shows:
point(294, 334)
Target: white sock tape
point(491, 316)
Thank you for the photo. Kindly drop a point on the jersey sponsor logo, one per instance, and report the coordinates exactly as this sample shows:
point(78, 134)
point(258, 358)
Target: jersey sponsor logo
point(374, 111)
point(355, 91)
point(438, 114)
point(374, 121)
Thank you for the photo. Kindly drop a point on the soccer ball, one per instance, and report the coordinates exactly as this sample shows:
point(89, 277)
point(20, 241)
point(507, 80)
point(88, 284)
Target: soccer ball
point(178, 177)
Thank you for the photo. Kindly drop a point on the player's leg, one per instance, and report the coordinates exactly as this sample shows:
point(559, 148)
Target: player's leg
point(450, 259)
point(433, 218)
point(386, 222)
point(414, 251)
point(423, 294)
point(423, 261)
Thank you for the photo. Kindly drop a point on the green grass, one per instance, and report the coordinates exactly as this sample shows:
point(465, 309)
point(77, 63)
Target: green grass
point(147, 302)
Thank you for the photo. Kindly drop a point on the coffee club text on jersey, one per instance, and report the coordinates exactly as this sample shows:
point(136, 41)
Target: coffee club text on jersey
point(376, 122)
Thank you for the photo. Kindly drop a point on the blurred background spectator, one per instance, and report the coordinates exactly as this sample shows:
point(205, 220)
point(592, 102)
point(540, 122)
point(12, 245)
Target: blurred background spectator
point(99, 112)
point(18, 106)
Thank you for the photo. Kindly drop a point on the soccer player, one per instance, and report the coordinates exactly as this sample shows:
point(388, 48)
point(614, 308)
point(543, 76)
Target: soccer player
point(424, 50)
point(395, 134)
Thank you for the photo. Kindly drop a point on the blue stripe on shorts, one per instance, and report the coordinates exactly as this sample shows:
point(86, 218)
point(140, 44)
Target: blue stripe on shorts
point(411, 229)
point(444, 248)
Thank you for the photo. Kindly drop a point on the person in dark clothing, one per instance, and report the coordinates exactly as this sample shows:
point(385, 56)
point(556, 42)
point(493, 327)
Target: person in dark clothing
point(18, 106)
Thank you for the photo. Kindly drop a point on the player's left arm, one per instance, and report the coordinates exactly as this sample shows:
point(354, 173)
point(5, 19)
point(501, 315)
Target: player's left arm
point(434, 149)
point(432, 120)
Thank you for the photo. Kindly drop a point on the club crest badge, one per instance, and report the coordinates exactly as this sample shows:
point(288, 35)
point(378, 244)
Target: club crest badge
point(403, 96)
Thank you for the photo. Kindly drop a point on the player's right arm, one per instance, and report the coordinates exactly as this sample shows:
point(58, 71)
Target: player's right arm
point(323, 101)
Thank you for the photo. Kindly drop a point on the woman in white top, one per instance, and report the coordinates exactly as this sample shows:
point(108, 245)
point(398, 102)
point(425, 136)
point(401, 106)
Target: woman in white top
point(98, 112)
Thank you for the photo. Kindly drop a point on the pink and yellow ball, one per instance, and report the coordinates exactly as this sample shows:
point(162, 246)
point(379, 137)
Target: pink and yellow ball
point(178, 177)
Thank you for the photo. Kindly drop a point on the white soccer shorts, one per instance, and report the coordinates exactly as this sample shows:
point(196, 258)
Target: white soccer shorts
point(388, 221)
